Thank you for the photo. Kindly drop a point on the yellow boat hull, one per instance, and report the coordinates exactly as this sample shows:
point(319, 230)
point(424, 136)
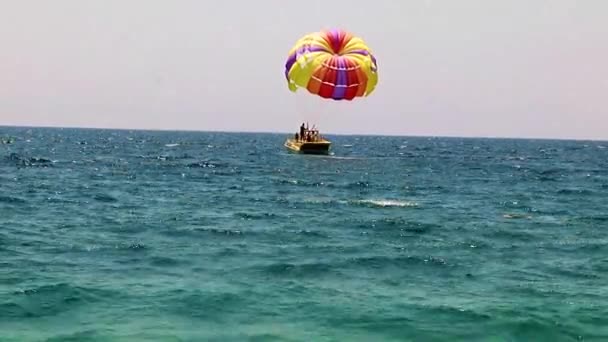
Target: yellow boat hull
point(308, 147)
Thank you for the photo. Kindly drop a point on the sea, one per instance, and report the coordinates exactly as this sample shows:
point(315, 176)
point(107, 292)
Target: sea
point(132, 235)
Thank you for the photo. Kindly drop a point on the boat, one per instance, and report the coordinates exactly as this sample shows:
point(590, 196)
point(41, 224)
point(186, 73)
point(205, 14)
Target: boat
point(308, 147)
point(315, 145)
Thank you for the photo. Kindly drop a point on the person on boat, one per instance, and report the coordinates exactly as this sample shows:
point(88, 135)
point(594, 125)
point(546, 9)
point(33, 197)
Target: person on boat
point(302, 130)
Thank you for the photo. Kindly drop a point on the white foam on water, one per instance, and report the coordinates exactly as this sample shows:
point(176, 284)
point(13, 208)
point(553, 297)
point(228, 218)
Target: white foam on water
point(389, 203)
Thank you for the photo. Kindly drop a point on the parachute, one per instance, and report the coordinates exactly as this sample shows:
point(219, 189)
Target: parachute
point(333, 64)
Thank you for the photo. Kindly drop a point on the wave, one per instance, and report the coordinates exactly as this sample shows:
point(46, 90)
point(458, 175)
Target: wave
point(341, 265)
point(297, 270)
point(391, 224)
point(12, 200)
point(333, 185)
point(51, 300)
point(387, 203)
point(256, 216)
point(85, 335)
point(209, 305)
point(377, 262)
point(22, 161)
point(370, 203)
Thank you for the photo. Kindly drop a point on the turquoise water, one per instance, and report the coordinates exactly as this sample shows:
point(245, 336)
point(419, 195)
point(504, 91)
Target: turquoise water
point(183, 236)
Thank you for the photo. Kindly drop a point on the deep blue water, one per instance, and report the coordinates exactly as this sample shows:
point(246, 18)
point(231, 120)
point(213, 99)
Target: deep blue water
point(184, 236)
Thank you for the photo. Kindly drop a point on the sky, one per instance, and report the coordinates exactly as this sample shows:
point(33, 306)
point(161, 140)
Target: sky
point(511, 68)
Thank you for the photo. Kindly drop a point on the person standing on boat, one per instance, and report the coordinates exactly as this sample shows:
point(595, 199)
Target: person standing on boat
point(302, 129)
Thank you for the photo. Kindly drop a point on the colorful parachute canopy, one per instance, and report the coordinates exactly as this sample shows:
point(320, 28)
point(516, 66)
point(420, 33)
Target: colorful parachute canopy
point(332, 64)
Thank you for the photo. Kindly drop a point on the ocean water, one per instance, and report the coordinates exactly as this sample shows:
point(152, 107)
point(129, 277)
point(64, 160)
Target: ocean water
point(109, 235)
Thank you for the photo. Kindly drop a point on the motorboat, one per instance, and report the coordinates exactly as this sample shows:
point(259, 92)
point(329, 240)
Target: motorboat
point(312, 143)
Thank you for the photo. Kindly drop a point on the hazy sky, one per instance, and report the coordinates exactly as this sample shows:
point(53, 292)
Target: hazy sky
point(516, 68)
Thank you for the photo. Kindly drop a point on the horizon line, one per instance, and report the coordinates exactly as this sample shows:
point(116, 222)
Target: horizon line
point(186, 130)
